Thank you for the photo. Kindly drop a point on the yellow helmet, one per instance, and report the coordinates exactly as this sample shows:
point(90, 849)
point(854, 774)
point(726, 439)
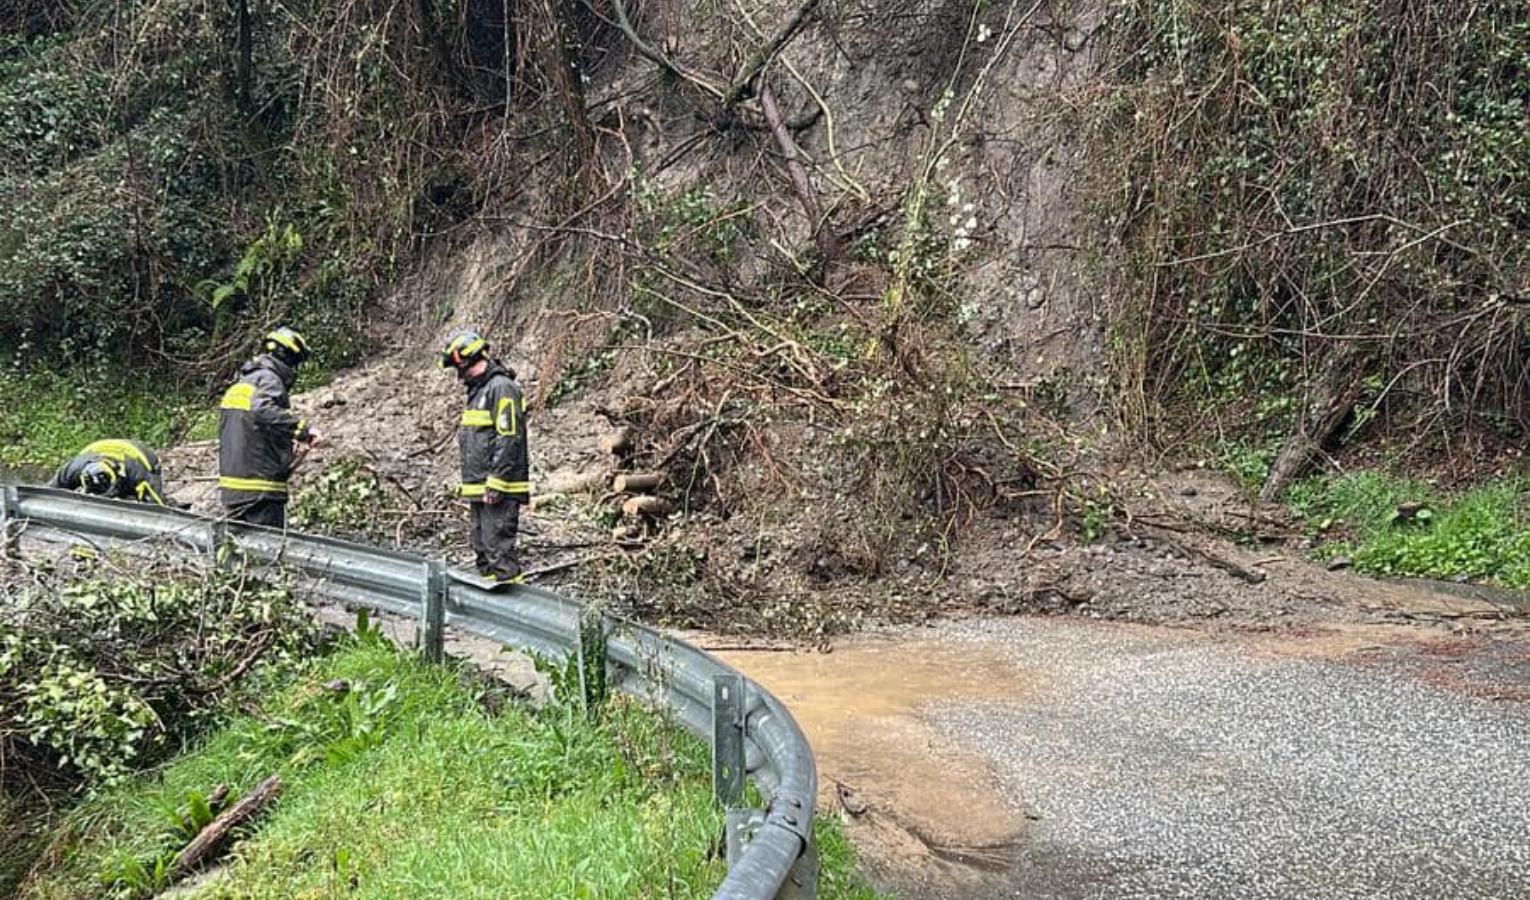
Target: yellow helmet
point(287, 345)
point(463, 348)
point(99, 477)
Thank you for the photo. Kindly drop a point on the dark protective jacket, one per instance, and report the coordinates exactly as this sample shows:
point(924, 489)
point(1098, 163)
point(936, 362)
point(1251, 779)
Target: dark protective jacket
point(257, 432)
point(137, 468)
point(492, 436)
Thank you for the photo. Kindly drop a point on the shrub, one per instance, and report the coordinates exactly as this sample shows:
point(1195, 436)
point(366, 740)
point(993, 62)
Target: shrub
point(97, 675)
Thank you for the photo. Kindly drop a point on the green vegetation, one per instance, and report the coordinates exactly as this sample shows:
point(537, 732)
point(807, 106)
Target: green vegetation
point(105, 670)
point(102, 674)
point(1323, 200)
point(48, 416)
point(1400, 527)
point(347, 496)
point(399, 783)
point(181, 175)
point(399, 778)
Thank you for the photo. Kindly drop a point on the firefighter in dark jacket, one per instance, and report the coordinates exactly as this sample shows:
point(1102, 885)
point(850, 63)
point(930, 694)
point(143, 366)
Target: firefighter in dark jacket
point(125, 470)
point(495, 464)
point(258, 433)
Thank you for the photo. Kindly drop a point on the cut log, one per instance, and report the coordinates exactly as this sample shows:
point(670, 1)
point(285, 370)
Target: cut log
point(573, 482)
point(618, 441)
point(647, 505)
point(636, 482)
point(209, 839)
point(560, 485)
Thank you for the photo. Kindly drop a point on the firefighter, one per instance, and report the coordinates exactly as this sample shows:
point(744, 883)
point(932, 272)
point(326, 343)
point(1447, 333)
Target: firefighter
point(125, 470)
point(495, 463)
point(258, 432)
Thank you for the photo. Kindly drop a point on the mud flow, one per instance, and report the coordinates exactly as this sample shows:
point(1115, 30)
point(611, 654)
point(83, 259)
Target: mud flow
point(919, 809)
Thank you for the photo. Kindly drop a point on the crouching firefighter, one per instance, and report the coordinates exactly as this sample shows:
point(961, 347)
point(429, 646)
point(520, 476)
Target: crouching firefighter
point(258, 432)
point(495, 463)
point(124, 470)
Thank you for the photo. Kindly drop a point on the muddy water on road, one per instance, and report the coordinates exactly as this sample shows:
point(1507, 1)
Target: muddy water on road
point(914, 801)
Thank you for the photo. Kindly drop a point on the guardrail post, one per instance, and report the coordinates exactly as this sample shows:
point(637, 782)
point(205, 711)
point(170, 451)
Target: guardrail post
point(433, 612)
point(217, 541)
point(802, 881)
point(10, 538)
point(728, 764)
point(728, 739)
point(739, 826)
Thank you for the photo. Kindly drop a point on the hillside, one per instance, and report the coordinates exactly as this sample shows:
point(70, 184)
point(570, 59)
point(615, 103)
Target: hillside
point(916, 306)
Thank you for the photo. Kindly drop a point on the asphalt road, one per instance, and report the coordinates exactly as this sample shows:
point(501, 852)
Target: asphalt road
point(1135, 762)
point(1193, 768)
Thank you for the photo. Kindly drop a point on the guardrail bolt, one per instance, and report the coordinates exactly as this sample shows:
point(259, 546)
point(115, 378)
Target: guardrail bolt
point(739, 826)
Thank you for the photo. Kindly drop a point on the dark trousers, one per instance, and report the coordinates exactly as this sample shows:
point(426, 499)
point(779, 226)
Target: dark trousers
point(270, 513)
point(492, 535)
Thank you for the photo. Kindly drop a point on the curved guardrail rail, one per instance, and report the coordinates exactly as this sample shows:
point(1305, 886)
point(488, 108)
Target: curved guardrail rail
point(770, 851)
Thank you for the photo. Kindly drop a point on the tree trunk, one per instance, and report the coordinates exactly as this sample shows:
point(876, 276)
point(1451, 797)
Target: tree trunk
point(823, 236)
point(1328, 405)
point(244, 61)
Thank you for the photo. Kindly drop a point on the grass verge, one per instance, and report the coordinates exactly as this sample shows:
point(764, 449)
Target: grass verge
point(400, 783)
point(1403, 527)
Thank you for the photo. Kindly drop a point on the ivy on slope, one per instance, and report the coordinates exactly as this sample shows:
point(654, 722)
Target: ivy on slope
point(1322, 189)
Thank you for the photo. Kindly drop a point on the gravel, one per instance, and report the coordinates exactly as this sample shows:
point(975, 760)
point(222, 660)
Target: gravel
point(1156, 768)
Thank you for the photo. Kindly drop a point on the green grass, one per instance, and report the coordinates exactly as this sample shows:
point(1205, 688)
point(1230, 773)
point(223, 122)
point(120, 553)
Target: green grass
point(1482, 534)
point(48, 416)
point(838, 877)
point(404, 786)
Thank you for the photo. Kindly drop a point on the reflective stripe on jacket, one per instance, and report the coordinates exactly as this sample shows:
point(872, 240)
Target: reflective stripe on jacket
point(492, 436)
point(138, 472)
point(257, 432)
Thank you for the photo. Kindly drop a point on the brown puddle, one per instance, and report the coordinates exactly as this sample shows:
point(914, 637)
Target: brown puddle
point(879, 760)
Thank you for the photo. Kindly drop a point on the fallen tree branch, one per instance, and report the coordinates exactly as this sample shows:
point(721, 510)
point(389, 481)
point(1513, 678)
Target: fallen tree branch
point(657, 58)
point(751, 69)
point(209, 839)
point(823, 237)
point(1241, 572)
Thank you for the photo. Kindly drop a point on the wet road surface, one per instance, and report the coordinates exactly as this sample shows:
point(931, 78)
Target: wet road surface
point(1051, 758)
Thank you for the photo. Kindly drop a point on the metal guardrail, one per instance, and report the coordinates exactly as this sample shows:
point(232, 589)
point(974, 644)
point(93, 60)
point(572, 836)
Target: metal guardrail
point(770, 851)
